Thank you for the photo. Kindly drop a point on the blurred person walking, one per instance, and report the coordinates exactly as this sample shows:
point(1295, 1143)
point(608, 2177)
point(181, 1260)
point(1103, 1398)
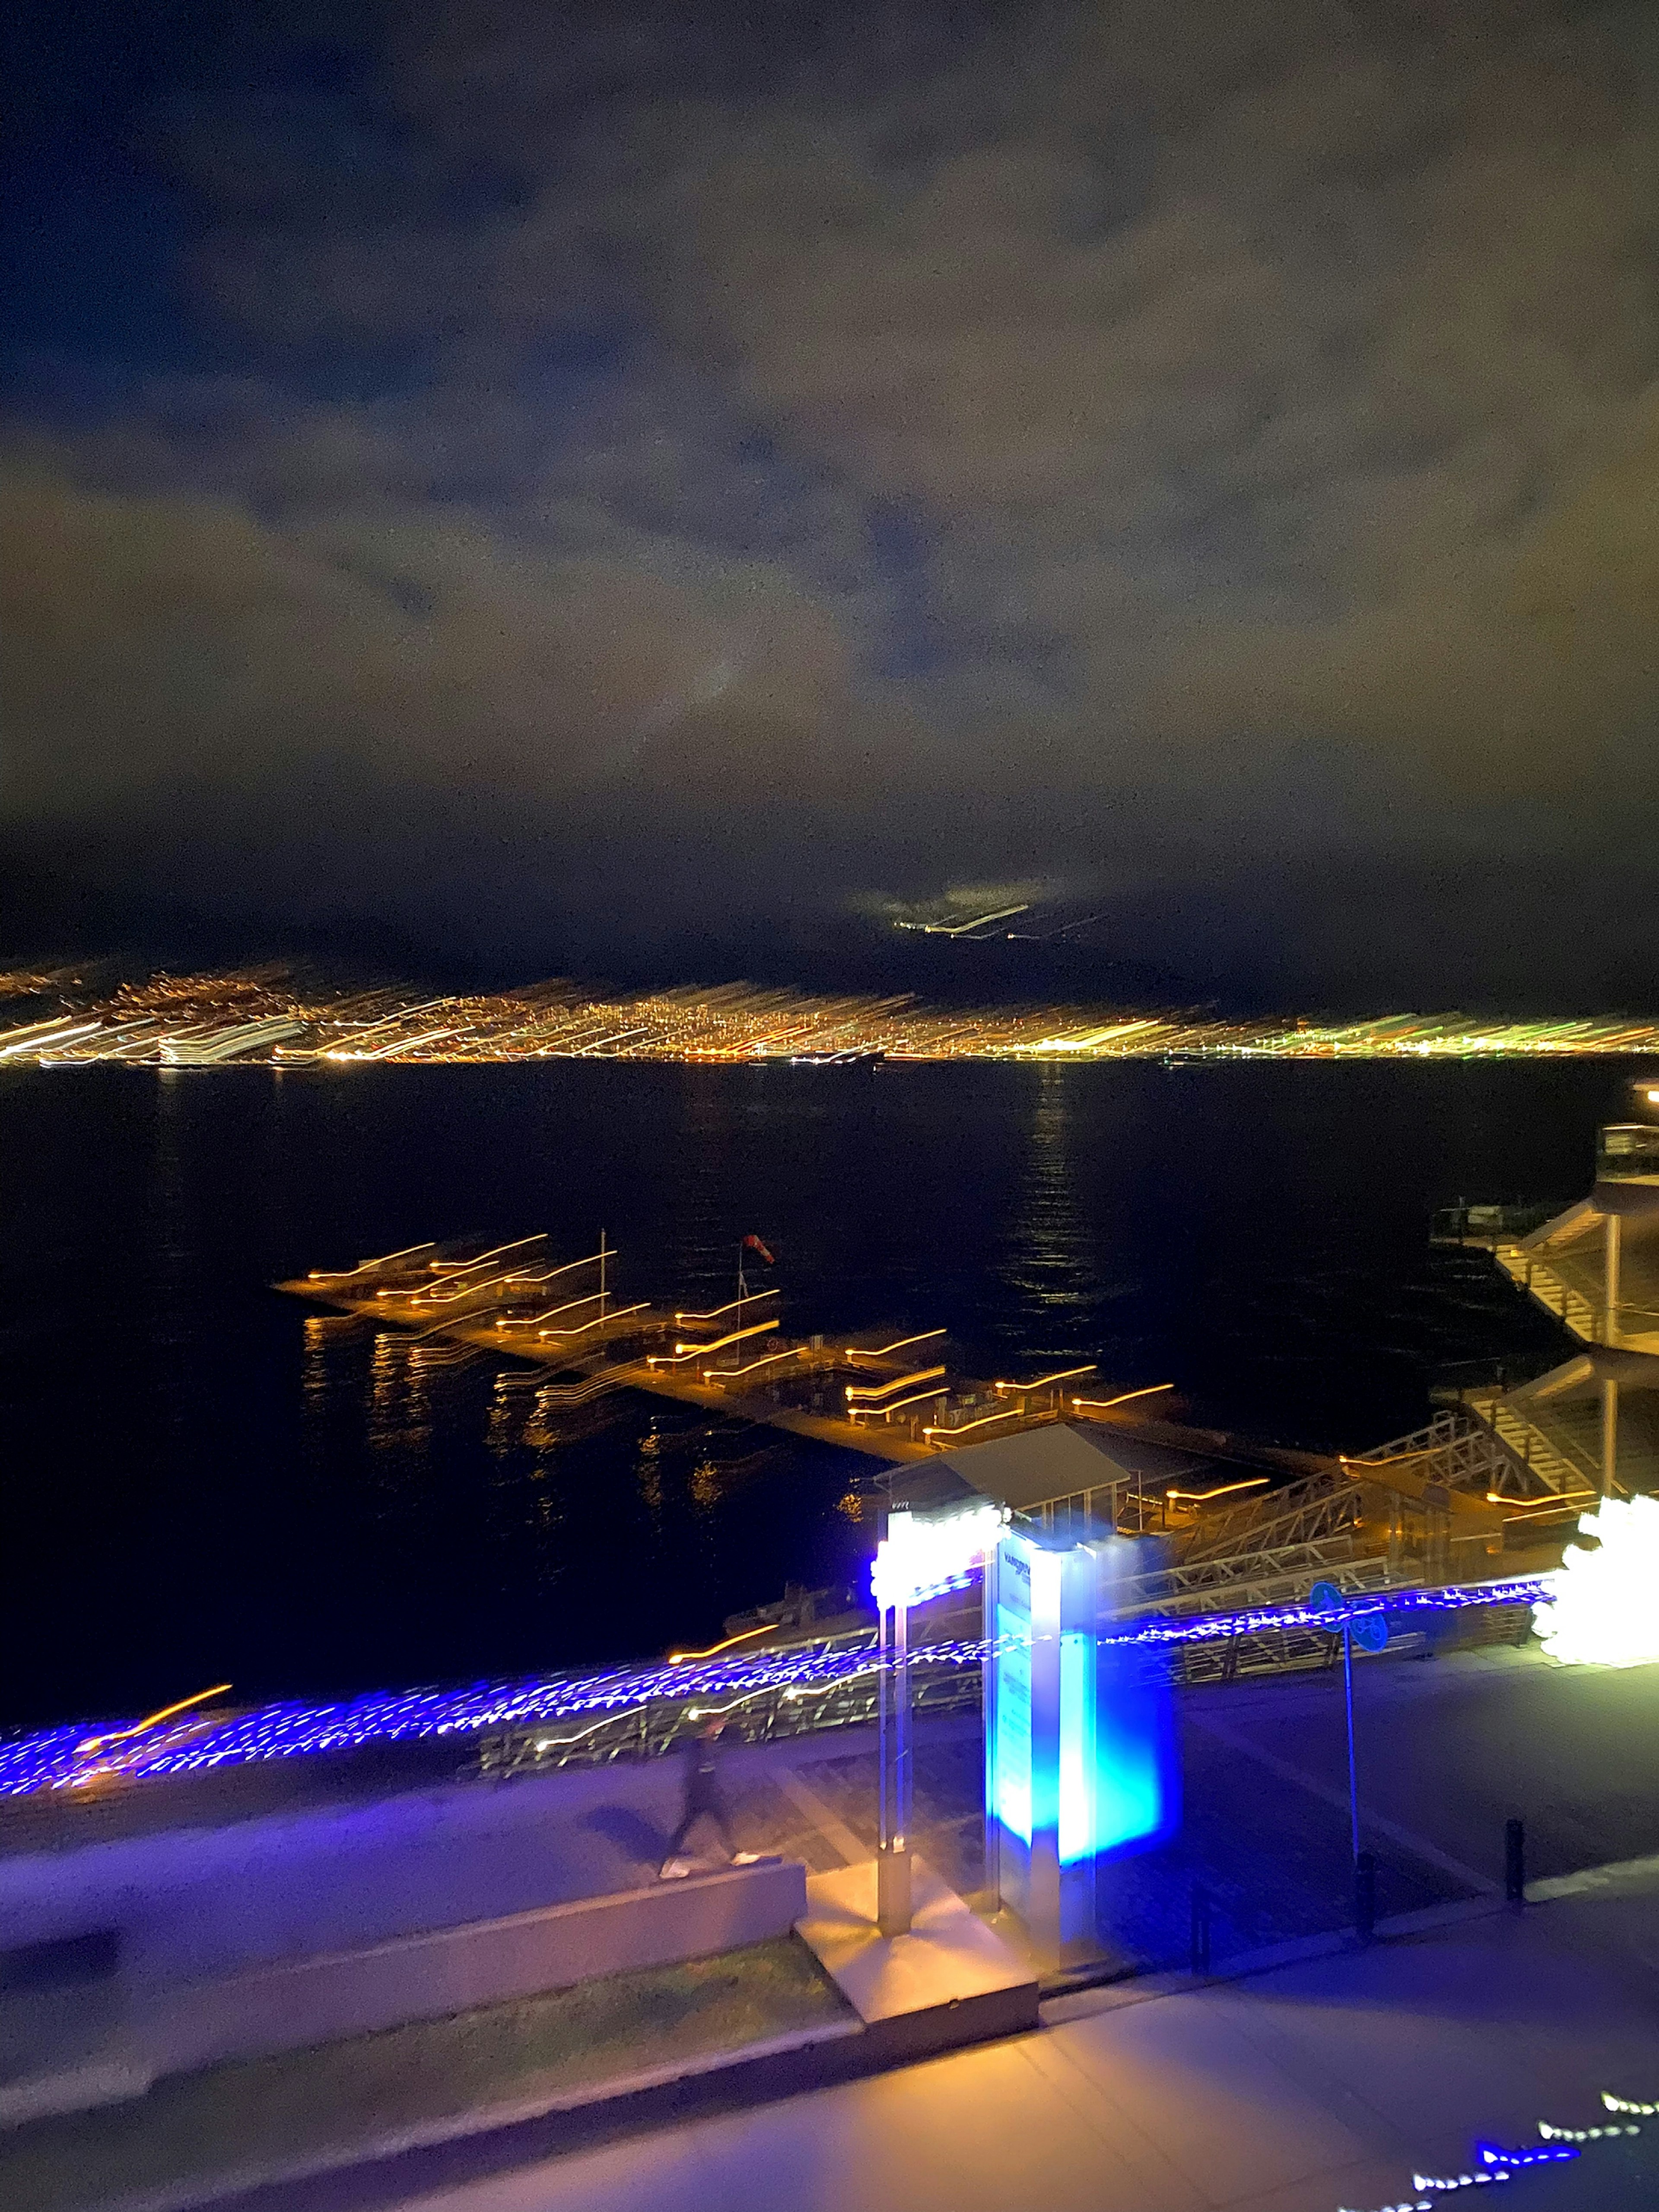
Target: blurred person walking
point(704, 1799)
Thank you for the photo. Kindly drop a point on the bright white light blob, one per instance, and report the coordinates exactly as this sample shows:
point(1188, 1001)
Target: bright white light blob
point(919, 1558)
point(1604, 1607)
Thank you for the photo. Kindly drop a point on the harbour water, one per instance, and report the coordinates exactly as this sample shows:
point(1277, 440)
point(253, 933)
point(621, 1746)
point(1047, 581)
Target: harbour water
point(201, 1483)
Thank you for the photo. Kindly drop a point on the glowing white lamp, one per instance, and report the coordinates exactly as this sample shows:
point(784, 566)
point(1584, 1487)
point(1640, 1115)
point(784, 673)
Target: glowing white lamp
point(1604, 1610)
point(916, 1559)
point(920, 1558)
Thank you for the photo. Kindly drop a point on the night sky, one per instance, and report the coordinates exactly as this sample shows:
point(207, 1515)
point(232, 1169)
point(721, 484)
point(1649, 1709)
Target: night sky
point(642, 489)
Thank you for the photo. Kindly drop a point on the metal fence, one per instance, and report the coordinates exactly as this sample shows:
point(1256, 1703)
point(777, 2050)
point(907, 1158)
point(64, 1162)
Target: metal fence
point(661, 1725)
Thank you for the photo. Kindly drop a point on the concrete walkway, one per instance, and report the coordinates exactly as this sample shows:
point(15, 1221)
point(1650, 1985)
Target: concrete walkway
point(1319, 2084)
point(1447, 1751)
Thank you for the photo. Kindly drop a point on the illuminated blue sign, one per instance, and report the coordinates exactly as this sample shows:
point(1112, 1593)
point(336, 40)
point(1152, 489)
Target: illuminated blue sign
point(1078, 1764)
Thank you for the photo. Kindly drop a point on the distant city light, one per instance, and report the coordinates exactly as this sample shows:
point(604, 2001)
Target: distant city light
point(259, 1017)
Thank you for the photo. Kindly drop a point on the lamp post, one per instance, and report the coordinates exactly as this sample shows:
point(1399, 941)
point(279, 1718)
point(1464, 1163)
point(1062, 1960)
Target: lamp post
point(893, 1855)
point(1371, 1632)
point(916, 1558)
point(1611, 1227)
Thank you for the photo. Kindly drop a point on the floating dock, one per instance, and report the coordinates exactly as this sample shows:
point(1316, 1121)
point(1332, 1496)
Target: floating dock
point(892, 1399)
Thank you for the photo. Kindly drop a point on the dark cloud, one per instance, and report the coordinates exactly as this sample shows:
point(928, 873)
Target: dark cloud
point(670, 470)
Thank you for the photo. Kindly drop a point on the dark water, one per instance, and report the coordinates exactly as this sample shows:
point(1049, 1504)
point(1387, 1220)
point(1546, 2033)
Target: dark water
point(197, 1483)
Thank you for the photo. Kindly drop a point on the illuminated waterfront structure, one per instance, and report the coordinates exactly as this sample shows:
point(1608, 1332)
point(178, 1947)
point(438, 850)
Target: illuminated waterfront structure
point(183, 1742)
point(1589, 1427)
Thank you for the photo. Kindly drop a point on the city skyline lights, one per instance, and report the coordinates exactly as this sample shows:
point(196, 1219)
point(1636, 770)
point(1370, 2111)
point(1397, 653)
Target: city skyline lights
point(261, 1017)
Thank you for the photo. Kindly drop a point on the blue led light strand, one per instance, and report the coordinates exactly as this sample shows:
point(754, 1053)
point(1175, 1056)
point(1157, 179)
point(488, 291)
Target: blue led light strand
point(195, 1745)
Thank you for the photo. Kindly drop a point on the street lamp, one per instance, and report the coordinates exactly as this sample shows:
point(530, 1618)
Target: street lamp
point(917, 1558)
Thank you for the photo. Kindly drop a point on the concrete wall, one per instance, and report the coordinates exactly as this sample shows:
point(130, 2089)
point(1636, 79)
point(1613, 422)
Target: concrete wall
point(320, 2000)
point(192, 1904)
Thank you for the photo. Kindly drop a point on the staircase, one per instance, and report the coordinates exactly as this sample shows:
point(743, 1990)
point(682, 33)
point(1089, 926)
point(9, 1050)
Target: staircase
point(1554, 1464)
point(1549, 1286)
point(1320, 1506)
point(1453, 1450)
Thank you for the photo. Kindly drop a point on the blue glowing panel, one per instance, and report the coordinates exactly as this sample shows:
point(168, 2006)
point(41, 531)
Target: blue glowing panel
point(1012, 1756)
point(1078, 1792)
point(1135, 1774)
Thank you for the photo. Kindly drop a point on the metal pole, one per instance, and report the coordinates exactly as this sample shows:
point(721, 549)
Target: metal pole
point(884, 1732)
point(1353, 1773)
point(1609, 1434)
point(1515, 1862)
point(893, 1860)
point(604, 1256)
point(1200, 1943)
point(1364, 1896)
point(1610, 1281)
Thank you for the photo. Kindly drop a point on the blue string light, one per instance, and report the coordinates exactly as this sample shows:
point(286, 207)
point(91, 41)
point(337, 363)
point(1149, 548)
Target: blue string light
point(197, 1744)
point(1494, 2163)
point(1493, 2156)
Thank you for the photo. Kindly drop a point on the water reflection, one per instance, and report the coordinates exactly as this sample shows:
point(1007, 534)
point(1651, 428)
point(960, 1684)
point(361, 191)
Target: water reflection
point(647, 1470)
point(1258, 1236)
point(1049, 1266)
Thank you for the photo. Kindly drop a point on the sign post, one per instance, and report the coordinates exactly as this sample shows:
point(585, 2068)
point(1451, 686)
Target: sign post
point(1371, 1632)
point(1078, 1764)
point(893, 1847)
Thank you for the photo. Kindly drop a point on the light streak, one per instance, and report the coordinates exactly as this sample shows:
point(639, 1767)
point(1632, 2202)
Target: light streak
point(871, 1391)
point(729, 1374)
point(1590, 2135)
point(1225, 1490)
point(365, 1267)
point(898, 1344)
point(1392, 1459)
point(450, 1291)
point(208, 1019)
point(294, 1730)
point(1529, 1509)
point(547, 1313)
point(1013, 1414)
point(600, 1320)
point(963, 928)
point(569, 1267)
point(1043, 1381)
point(97, 1743)
point(681, 1353)
point(1092, 1040)
point(921, 1398)
point(451, 1268)
point(1516, 2161)
point(38, 1044)
point(749, 1298)
point(685, 1658)
point(398, 1044)
point(1147, 1390)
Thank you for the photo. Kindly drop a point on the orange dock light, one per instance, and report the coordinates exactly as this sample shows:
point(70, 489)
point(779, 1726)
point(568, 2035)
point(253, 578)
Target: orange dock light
point(1046, 1382)
point(1099, 1405)
point(870, 1392)
point(855, 1351)
point(681, 1353)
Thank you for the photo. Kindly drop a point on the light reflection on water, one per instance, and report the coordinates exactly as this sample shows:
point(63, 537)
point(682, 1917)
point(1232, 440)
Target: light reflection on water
point(246, 1490)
